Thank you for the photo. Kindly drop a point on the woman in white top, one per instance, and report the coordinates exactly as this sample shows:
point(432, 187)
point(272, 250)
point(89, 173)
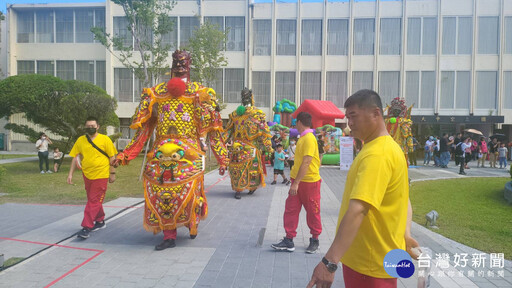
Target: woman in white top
point(291, 153)
point(42, 152)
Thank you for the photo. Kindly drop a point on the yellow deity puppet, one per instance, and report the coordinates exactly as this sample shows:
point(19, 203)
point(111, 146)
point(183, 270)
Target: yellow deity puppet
point(248, 134)
point(183, 115)
point(398, 123)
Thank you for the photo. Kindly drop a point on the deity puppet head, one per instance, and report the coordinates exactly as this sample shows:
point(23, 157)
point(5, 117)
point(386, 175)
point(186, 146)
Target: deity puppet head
point(247, 98)
point(398, 108)
point(181, 65)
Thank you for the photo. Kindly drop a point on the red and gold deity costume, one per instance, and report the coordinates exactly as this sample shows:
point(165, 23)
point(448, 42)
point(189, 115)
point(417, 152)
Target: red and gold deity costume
point(398, 123)
point(174, 171)
point(249, 134)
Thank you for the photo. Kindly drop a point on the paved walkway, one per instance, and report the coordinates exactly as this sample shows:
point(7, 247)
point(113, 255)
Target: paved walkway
point(232, 248)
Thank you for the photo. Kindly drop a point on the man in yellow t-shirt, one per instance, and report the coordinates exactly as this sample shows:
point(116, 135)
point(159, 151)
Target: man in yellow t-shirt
point(96, 170)
point(375, 212)
point(305, 189)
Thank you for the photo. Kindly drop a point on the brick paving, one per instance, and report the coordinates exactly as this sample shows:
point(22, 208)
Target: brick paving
point(232, 248)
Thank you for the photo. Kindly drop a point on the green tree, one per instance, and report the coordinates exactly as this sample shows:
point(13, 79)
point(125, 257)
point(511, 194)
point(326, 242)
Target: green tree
point(60, 107)
point(149, 23)
point(207, 49)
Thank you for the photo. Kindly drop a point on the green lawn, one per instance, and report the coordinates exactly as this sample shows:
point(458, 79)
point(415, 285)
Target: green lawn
point(24, 184)
point(11, 156)
point(472, 211)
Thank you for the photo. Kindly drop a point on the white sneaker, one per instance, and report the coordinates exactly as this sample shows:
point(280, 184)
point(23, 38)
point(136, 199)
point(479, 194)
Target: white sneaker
point(49, 172)
point(42, 172)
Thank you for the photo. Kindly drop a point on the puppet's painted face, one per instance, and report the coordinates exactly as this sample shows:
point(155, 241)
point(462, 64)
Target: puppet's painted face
point(180, 64)
point(246, 97)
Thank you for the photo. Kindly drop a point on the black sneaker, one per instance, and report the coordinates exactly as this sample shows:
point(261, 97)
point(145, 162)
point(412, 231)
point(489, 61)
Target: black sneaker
point(284, 181)
point(169, 243)
point(99, 225)
point(285, 245)
point(288, 182)
point(84, 233)
point(462, 173)
point(273, 183)
point(313, 246)
point(237, 195)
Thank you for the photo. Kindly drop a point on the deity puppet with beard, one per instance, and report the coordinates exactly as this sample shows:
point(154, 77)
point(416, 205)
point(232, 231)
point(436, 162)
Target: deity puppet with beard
point(182, 114)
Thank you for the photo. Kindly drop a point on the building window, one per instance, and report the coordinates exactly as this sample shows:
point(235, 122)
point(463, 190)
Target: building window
point(45, 68)
point(311, 37)
point(123, 84)
point(188, 25)
point(286, 37)
point(121, 31)
point(465, 35)
point(463, 90)
point(412, 88)
point(218, 84)
point(362, 80)
point(455, 89)
point(389, 86)
point(234, 83)
point(508, 35)
point(66, 70)
point(44, 24)
point(64, 26)
point(486, 89)
point(262, 37)
point(285, 86)
point(310, 85)
point(236, 34)
point(447, 90)
point(488, 35)
point(261, 88)
point(336, 91)
point(337, 37)
point(507, 89)
point(428, 89)
point(364, 36)
point(171, 38)
point(101, 74)
point(422, 36)
point(420, 91)
point(26, 67)
point(84, 21)
point(449, 35)
point(85, 71)
point(390, 36)
point(26, 27)
point(99, 19)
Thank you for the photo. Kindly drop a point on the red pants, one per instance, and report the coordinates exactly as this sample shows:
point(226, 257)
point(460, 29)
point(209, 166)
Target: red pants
point(308, 195)
point(170, 234)
point(356, 279)
point(95, 194)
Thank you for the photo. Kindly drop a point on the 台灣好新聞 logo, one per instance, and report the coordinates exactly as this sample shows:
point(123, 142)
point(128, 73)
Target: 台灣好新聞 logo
point(398, 264)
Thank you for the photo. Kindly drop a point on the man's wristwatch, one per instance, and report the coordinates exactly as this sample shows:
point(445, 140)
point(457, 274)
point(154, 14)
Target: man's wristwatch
point(331, 267)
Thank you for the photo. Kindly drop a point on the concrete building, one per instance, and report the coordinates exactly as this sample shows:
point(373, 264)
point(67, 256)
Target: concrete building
point(452, 59)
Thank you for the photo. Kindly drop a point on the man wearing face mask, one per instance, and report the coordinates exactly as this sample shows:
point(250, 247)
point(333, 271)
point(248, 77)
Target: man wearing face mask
point(97, 152)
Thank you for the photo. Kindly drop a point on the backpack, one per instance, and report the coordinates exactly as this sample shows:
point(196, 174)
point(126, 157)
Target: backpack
point(458, 149)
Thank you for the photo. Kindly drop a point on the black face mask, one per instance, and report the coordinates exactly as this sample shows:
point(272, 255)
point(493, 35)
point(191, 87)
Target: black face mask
point(90, 131)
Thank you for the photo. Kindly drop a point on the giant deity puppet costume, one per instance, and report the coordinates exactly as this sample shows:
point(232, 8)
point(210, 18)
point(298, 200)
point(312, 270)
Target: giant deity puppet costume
point(183, 114)
point(248, 134)
point(398, 123)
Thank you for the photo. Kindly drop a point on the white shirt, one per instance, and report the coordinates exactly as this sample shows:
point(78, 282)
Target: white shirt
point(291, 152)
point(44, 145)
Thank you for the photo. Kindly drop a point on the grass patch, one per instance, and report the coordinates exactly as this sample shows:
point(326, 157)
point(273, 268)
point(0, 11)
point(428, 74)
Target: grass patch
point(472, 211)
point(12, 261)
point(23, 183)
point(12, 156)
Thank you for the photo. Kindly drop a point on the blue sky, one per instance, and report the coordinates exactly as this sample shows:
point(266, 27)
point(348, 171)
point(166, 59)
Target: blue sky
point(4, 3)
